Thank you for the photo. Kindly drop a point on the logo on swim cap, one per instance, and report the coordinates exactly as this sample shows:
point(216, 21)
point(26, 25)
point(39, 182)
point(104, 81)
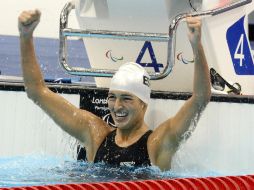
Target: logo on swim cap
point(146, 81)
point(133, 78)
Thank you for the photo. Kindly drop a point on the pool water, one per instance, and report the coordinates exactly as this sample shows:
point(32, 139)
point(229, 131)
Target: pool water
point(45, 170)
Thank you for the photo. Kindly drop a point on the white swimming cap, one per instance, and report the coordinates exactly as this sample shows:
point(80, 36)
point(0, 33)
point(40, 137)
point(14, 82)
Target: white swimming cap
point(133, 78)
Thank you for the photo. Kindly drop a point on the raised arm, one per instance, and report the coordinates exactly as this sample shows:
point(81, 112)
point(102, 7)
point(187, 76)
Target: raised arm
point(193, 107)
point(167, 137)
point(79, 123)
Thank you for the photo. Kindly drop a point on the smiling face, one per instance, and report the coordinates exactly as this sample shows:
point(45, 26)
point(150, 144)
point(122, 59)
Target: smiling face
point(126, 109)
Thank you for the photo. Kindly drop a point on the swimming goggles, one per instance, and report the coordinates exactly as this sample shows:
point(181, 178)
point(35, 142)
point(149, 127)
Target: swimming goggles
point(219, 83)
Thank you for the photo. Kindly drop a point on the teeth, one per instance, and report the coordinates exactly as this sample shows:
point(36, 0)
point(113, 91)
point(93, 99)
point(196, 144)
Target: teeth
point(121, 114)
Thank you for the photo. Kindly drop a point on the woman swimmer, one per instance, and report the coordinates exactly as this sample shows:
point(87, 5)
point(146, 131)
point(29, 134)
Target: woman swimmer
point(128, 97)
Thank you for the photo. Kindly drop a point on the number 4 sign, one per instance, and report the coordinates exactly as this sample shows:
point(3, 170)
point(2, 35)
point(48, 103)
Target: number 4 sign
point(240, 49)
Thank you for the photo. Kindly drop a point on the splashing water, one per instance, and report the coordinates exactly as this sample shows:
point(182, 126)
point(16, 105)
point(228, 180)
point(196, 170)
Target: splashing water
point(42, 170)
point(32, 170)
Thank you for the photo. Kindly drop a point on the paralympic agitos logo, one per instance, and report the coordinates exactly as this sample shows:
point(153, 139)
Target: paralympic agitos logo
point(113, 58)
point(182, 59)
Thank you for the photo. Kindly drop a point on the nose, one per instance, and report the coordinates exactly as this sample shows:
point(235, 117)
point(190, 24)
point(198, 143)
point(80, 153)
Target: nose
point(118, 104)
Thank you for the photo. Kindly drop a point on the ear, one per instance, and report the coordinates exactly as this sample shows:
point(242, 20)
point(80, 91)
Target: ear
point(144, 106)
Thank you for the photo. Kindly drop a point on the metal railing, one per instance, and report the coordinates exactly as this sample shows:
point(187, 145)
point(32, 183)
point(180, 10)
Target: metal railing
point(169, 37)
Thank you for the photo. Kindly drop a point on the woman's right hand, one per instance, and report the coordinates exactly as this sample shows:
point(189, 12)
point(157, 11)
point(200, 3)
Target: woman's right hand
point(27, 22)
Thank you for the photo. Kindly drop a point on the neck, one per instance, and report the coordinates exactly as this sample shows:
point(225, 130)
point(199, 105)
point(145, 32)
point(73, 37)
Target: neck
point(125, 137)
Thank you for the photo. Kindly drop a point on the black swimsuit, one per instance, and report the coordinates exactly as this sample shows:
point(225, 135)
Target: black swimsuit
point(135, 155)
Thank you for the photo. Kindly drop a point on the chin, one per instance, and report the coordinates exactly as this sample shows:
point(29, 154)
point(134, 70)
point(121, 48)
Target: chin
point(122, 125)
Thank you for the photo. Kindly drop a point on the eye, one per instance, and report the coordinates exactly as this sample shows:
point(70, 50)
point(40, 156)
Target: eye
point(127, 98)
point(111, 98)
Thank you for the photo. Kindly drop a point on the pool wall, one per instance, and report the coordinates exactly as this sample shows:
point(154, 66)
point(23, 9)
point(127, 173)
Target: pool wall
point(26, 129)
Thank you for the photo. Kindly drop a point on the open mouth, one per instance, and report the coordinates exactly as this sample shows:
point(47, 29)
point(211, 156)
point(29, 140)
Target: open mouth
point(120, 115)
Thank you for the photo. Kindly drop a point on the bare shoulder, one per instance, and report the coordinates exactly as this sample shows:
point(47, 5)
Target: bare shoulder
point(99, 128)
point(161, 145)
point(96, 127)
point(96, 131)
